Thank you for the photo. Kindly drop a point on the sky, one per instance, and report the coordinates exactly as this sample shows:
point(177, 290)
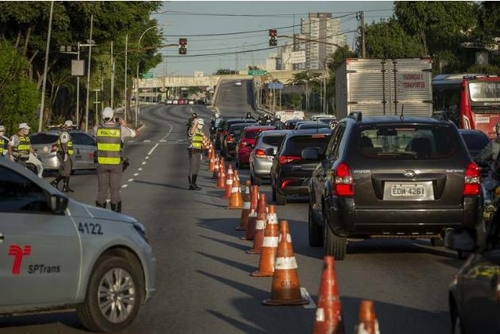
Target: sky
point(233, 34)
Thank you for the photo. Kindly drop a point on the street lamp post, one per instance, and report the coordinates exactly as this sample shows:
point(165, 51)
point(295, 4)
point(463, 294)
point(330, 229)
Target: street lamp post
point(88, 75)
point(137, 75)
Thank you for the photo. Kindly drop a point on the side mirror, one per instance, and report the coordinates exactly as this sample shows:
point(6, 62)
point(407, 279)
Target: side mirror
point(310, 153)
point(459, 240)
point(57, 203)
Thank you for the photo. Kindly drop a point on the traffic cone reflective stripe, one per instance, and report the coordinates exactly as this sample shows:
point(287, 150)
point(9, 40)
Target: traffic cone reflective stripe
point(215, 174)
point(221, 183)
point(267, 260)
point(252, 215)
point(245, 208)
point(260, 225)
point(285, 288)
point(367, 323)
point(235, 199)
point(329, 311)
point(229, 186)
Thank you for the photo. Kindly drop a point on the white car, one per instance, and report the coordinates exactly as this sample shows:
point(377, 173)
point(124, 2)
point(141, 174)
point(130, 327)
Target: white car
point(237, 83)
point(57, 253)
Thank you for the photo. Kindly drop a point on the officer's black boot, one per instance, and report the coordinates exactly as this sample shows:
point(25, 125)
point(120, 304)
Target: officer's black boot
point(116, 207)
point(56, 181)
point(195, 186)
point(100, 205)
point(66, 187)
point(191, 185)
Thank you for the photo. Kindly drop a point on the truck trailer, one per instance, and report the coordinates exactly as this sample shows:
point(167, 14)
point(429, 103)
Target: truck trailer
point(378, 87)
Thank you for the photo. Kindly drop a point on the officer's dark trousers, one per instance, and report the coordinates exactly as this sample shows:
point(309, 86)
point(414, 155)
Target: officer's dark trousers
point(194, 161)
point(109, 179)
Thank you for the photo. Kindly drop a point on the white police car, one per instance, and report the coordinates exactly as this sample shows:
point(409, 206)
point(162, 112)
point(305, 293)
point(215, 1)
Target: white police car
point(56, 253)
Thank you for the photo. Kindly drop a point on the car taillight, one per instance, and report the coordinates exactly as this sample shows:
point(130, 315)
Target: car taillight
point(230, 138)
point(260, 153)
point(342, 181)
point(284, 159)
point(472, 180)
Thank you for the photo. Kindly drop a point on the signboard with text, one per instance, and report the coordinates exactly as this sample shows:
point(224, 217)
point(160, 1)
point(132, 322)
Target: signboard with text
point(257, 72)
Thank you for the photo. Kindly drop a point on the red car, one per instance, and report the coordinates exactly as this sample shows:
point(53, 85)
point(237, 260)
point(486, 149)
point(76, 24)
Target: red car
point(247, 142)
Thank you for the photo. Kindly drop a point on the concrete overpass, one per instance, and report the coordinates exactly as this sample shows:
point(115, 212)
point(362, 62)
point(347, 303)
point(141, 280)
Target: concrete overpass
point(150, 88)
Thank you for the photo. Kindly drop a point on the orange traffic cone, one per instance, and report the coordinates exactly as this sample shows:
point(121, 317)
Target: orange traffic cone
point(368, 323)
point(329, 312)
point(285, 288)
point(229, 185)
point(221, 182)
point(252, 215)
point(230, 171)
point(216, 168)
point(269, 245)
point(211, 159)
point(260, 225)
point(246, 208)
point(235, 199)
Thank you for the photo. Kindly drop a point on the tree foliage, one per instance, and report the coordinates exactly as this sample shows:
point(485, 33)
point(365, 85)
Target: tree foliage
point(19, 95)
point(25, 25)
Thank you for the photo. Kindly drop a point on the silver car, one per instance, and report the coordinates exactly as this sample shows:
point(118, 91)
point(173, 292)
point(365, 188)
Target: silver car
point(261, 157)
point(84, 146)
point(57, 253)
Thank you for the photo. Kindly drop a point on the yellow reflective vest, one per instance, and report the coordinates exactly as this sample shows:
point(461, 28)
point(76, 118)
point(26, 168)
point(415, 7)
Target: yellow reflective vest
point(2, 144)
point(23, 149)
point(197, 140)
point(109, 145)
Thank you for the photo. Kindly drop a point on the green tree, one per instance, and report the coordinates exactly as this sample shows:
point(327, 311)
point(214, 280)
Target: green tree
point(388, 40)
point(19, 95)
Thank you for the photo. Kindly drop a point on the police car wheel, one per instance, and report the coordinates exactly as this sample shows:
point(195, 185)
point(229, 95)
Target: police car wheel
point(114, 295)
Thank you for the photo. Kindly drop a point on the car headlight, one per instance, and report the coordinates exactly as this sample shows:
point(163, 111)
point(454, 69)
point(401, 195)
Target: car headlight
point(141, 230)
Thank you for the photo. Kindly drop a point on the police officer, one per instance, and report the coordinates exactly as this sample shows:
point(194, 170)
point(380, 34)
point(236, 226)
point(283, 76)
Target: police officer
point(64, 155)
point(20, 149)
point(249, 115)
point(195, 149)
point(110, 137)
point(3, 141)
point(191, 120)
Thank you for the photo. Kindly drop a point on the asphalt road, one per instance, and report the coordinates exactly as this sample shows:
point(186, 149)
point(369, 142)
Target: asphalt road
point(203, 280)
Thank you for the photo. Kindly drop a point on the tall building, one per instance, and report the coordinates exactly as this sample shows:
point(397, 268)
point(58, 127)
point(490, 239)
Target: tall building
point(320, 35)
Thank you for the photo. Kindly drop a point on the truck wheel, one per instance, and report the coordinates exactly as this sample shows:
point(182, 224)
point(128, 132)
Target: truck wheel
point(113, 296)
point(315, 230)
point(280, 199)
point(274, 195)
point(333, 244)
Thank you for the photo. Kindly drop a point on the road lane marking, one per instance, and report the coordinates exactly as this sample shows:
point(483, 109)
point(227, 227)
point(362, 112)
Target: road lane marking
point(306, 295)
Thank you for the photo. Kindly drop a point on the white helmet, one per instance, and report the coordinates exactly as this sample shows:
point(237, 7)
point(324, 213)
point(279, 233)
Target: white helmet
point(68, 124)
point(2, 128)
point(64, 137)
point(107, 114)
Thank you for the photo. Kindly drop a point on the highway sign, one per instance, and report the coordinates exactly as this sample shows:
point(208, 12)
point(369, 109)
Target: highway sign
point(275, 85)
point(147, 75)
point(257, 72)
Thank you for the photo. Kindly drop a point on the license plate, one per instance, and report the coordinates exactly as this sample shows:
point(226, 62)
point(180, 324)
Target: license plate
point(405, 191)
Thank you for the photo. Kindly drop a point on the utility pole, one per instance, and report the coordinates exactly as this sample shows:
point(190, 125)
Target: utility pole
point(112, 77)
point(361, 18)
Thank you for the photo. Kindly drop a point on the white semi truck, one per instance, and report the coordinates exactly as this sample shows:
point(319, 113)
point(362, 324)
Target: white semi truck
point(378, 87)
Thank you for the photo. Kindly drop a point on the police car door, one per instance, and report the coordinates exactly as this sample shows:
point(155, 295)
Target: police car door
point(39, 250)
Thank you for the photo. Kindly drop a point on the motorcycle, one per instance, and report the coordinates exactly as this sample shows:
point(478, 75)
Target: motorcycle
point(32, 163)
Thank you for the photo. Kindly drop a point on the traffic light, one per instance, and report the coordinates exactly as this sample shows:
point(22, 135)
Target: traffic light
point(183, 46)
point(272, 37)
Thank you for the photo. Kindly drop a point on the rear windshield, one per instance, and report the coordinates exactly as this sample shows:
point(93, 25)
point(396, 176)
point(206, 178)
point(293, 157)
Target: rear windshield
point(408, 141)
point(296, 144)
point(252, 134)
point(273, 140)
point(43, 139)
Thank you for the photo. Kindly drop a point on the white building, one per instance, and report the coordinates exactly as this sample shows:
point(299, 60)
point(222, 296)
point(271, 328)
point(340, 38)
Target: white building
point(320, 37)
